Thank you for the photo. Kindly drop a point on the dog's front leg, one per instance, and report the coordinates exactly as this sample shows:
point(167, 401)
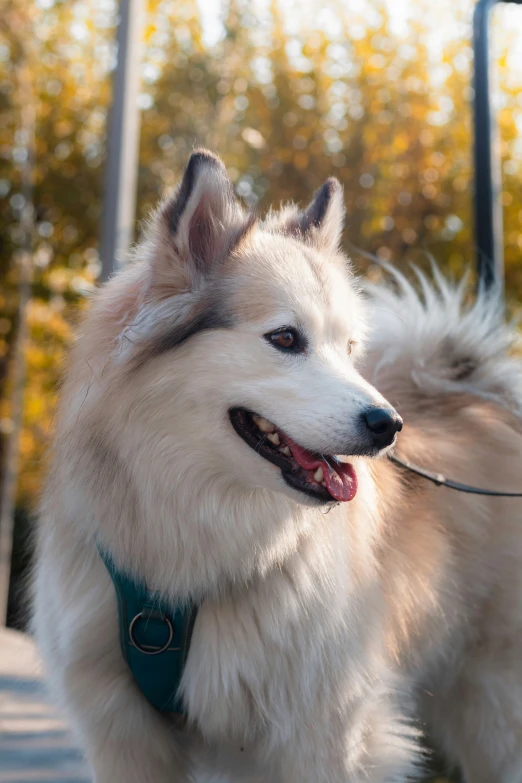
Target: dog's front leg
point(370, 743)
point(123, 737)
point(125, 740)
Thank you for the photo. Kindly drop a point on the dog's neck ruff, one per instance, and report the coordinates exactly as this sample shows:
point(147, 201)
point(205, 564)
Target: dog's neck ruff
point(154, 638)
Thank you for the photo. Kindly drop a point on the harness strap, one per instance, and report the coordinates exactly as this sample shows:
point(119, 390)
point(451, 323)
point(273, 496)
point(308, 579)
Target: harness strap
point(442, 481)
point(154, 638)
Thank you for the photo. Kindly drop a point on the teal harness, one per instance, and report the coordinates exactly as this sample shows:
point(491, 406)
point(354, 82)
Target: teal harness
point(154, 638)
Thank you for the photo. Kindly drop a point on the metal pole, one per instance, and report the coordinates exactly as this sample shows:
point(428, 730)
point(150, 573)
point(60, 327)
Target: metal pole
point(24, 259)
point(488, 209)
point(123, 141)
point(487, 157)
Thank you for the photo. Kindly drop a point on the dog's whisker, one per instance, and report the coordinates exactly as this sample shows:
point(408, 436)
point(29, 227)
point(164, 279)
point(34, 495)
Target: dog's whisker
point(261, 442)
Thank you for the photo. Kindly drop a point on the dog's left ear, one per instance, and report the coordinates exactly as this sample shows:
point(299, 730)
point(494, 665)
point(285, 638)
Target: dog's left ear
point(321, 223)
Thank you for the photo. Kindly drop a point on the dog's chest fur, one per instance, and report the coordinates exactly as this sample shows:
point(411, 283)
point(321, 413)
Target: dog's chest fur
point(289, 644)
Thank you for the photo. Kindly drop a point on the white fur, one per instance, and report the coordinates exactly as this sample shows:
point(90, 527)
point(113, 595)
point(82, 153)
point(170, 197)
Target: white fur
point(315, 630)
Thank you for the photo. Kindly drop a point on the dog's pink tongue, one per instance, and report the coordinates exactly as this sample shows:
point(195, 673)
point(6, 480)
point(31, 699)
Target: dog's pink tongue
point(340, 478)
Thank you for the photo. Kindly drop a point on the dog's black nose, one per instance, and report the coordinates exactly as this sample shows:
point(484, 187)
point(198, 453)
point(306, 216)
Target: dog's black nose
point(383, 423)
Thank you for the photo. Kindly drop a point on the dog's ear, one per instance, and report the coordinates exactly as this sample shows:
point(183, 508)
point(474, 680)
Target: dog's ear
point(202, 222)
point(321, 223)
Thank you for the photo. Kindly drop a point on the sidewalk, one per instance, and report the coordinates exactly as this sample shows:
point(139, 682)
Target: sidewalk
point(35, 746)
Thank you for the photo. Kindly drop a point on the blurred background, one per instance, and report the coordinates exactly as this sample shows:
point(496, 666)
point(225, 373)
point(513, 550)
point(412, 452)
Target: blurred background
point(288, 92)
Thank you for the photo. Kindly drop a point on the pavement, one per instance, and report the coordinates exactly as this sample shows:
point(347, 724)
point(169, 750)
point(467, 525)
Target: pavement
point(35, 744)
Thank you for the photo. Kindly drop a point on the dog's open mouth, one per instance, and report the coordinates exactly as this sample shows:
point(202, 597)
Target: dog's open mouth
point(322, 476)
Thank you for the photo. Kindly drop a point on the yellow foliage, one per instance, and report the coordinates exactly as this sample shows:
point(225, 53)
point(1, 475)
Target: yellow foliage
point(287, 99)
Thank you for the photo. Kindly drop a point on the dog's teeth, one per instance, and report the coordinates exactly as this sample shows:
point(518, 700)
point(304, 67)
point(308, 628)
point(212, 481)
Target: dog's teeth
point(274, 438)
point(286, 451)
point(323, 483)
point(263, 424)
point(319, 475)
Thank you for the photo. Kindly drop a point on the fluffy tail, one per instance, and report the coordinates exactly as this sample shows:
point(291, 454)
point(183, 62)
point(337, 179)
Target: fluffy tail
point(432, 341)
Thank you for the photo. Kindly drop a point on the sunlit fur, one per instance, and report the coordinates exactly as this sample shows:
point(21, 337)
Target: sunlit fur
point(320, 637)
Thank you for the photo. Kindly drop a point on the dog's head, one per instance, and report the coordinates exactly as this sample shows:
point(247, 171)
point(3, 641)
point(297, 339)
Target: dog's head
point(241, 354)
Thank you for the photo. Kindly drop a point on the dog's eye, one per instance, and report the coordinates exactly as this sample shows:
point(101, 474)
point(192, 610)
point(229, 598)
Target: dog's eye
point(286, 339)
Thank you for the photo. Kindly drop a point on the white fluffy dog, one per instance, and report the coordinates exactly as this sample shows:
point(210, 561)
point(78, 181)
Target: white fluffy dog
point(216, 385)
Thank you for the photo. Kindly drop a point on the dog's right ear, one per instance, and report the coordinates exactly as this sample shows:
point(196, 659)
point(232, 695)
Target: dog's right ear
point(321, 223)
point(200, 224)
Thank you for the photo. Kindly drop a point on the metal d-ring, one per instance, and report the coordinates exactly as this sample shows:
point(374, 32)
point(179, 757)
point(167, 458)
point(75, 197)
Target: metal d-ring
point(143, 649)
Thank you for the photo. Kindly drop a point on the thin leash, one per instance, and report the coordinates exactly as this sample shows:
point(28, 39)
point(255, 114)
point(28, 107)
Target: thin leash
point(441, 481)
